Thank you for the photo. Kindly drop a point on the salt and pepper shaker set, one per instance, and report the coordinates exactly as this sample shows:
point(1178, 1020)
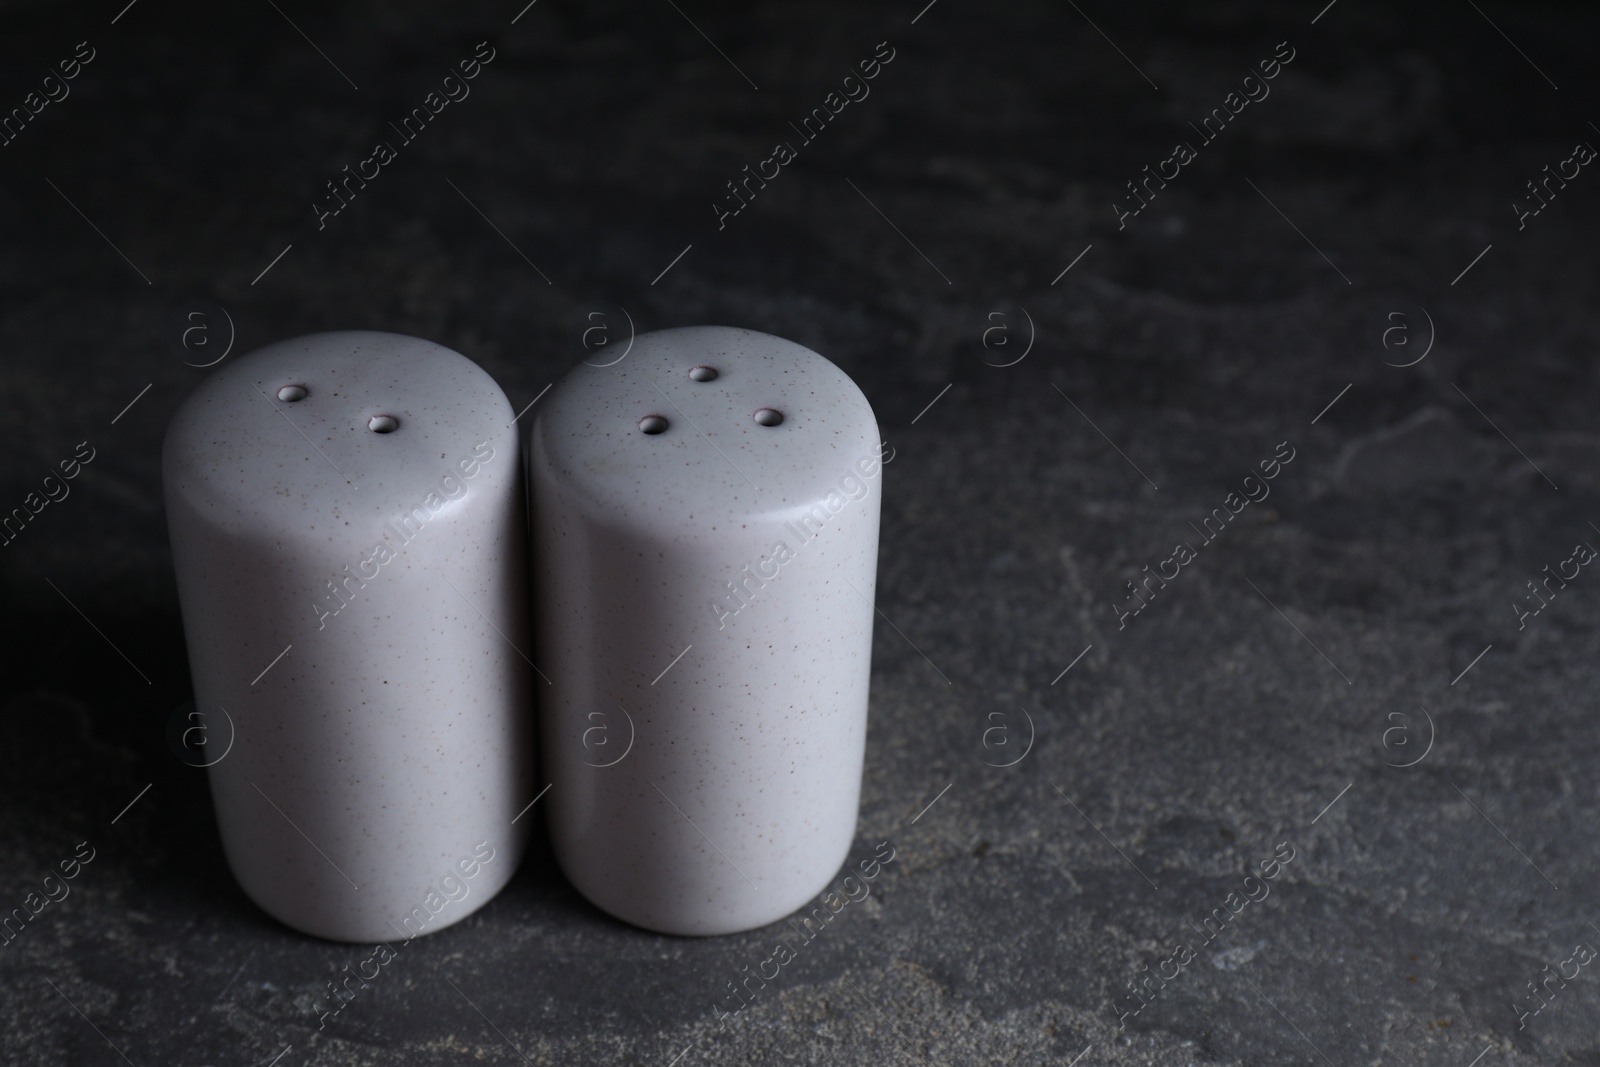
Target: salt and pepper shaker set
point(378, 589)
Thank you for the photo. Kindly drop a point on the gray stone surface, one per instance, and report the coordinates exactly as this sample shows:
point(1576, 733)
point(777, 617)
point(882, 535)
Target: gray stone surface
point(1251, 694)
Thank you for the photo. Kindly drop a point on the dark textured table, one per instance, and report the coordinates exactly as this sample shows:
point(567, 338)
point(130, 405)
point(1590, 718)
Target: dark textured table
point(1339, 679)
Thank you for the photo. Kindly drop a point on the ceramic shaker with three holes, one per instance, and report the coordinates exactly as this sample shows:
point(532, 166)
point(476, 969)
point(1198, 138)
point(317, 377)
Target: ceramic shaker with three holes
point(704, 518)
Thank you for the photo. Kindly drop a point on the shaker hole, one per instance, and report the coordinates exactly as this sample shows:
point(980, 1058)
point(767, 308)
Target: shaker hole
point(383, 424)
point(653, 424)
point(769, 417)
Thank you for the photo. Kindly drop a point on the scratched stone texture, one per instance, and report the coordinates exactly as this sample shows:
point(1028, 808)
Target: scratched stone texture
point(1340, 275)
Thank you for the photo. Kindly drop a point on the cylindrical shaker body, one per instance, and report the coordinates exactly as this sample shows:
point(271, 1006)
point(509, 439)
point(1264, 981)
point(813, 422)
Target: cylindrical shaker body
point(705, 539)
point(347, 528)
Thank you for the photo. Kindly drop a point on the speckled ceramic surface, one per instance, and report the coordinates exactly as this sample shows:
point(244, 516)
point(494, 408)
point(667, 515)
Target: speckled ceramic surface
point(705, 524)
point(350, 566)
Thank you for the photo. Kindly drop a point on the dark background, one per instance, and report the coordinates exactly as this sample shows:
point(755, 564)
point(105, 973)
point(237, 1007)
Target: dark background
point(1331, 632)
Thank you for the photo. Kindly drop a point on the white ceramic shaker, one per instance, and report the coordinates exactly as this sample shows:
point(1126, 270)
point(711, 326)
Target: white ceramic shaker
point(705, 543)
point(347, 524)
